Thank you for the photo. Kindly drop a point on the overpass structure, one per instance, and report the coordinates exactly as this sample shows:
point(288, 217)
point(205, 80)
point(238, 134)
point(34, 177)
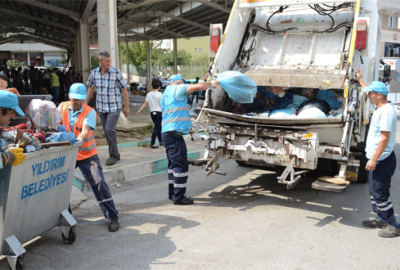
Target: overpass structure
point(76, 24)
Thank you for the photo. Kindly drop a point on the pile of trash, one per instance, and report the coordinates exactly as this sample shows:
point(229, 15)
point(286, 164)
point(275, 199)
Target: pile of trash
point(41, 131)
point(279, 103)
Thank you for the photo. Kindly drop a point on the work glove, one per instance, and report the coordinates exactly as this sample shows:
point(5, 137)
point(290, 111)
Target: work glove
point(14, 156)
point(214, 84)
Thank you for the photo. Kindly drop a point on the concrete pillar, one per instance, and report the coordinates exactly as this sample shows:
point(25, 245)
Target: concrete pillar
point(107, 29)
point(85, 49)
point(78, 68)
point(119, 56)
point(148, 61)
point(29, 59)
point(175, 56)
point(127, 63)
point(75, 55)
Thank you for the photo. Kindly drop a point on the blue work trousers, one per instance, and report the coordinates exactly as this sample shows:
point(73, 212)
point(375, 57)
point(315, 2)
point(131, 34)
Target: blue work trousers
point(157, 118)
point(93, 173)
point(178, 165)
point(56, 91)
point(379, 187)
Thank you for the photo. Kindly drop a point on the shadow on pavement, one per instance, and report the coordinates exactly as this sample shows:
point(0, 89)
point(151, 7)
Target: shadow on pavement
point(264, 190)
point(141, 241)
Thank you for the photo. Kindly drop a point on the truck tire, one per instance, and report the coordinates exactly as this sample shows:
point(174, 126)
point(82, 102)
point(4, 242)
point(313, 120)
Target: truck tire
point(362, 172)
point(241, 163)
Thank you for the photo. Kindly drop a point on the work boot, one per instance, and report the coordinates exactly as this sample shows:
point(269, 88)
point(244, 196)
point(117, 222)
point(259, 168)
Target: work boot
point(184, 201)
point(113, 224)
point(153, 146)
point(389, 231)
point(375, 223)
point(111, 161)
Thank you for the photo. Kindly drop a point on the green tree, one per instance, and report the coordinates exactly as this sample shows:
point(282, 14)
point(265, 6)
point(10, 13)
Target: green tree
point(138, 55)
point(64, 59)
point(94, 61)
point(14, 64)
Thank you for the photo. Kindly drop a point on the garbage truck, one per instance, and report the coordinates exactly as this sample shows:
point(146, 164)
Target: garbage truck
point(308, 51)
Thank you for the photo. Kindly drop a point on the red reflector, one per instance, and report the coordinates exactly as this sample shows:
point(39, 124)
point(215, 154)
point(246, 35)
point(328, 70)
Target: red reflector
point(361, 35)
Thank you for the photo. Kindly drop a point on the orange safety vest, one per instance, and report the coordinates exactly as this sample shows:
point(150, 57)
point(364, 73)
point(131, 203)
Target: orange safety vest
point(88, 148)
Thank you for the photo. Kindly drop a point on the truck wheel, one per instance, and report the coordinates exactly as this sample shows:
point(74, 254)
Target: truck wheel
point(241, 163)
point(362, 172)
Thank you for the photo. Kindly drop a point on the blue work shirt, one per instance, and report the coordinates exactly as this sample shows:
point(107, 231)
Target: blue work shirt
point(90, 119)
point(383, 119)
point(175, 109)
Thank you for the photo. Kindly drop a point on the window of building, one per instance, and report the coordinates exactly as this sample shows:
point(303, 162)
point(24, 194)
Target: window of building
point(391, 23)
point(200, 49)
point(195, 49)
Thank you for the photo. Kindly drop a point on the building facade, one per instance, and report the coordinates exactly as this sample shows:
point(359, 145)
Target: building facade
point(390, 43)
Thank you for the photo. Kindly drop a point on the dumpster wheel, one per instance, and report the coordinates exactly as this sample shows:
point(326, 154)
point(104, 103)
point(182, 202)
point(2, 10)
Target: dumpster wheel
point(71, 237)
point(20, 265)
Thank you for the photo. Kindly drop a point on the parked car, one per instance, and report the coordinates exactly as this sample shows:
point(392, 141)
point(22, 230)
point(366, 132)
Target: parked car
point(165, 83)
point(40, 68)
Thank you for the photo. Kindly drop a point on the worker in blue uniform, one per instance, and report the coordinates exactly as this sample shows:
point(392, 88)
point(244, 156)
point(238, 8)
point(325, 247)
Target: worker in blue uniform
point(176, 123)
point(381, 158)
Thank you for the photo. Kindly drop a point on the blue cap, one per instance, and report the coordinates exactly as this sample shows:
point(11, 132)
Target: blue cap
point(378, 87)
point(77, 91)
point(175, 77)
point(10, 100)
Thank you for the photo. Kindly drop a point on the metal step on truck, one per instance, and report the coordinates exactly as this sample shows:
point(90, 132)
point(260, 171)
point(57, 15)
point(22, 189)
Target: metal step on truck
point(304, 53)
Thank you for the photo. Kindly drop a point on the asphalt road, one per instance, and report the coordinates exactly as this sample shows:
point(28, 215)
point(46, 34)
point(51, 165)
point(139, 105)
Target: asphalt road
point(244, 220)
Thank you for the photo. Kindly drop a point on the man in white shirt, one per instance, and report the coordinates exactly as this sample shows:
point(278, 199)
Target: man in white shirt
point(153, 99)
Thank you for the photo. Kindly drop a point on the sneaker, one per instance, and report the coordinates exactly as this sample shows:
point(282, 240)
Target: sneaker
point(389, 231)
point(113, 225)
point(153, 146)
point(375, 223)
point(111, 161)
point(184, 201)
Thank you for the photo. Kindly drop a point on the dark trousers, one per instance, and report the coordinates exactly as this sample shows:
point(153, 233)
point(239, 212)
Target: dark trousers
point(109, 122)
point(93, 173)
point(35, 87)
point(157, 118)
point(379, 186)
point(56, 91)
point(178, 165)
